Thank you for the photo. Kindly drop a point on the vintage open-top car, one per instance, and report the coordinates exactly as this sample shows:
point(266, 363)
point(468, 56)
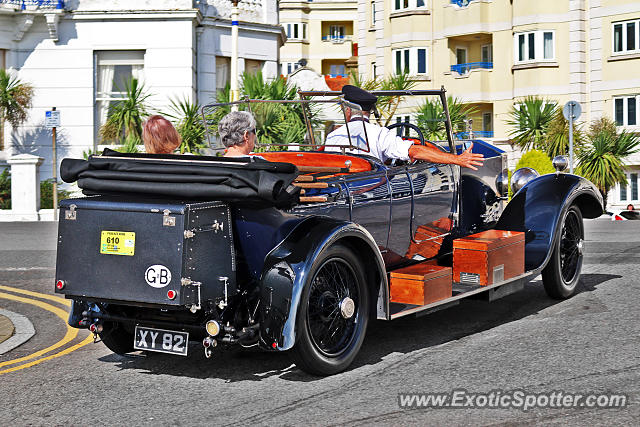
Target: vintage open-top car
point(299, 250)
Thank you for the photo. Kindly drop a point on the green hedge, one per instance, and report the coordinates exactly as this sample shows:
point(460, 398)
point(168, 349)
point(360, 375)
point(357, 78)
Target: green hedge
point(536, 160)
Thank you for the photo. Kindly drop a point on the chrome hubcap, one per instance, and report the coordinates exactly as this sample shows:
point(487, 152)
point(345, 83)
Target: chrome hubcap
point(347, 308)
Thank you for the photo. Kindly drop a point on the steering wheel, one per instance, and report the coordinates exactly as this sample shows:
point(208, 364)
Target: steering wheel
point(418, 131)
point(410, 126)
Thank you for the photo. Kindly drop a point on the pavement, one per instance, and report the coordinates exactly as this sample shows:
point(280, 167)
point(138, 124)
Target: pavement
point(6, 328)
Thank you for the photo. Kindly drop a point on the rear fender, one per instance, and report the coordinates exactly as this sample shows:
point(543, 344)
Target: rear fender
point(538, 209)
point(288, 265)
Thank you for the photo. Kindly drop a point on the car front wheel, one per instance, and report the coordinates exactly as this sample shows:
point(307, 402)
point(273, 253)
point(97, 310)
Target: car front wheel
point(562, 273)
point(333, 313)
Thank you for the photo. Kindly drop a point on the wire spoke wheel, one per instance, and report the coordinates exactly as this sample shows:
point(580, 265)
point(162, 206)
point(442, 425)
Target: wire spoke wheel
point(562, 273)
point(333, 313)
point(330, 331)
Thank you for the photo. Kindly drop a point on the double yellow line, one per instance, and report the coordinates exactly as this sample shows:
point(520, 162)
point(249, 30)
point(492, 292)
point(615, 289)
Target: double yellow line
point(69, 336)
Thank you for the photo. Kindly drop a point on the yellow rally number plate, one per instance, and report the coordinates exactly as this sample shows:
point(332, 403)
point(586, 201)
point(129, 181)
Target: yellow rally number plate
point(117, 243)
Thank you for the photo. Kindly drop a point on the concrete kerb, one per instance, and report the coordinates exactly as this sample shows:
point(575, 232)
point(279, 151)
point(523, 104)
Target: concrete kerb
point(23, 331)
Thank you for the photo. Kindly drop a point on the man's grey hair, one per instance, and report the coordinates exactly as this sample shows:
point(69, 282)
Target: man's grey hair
point(233, 126)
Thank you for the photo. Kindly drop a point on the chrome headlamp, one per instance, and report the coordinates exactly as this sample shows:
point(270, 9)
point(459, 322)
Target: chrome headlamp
point(521, 177)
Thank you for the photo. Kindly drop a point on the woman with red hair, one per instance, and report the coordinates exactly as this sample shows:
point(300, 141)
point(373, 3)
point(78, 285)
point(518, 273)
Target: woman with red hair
point(159, 136)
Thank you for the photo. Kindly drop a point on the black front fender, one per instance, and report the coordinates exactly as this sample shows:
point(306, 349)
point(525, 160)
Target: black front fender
point(288, 265)
point(538, 209)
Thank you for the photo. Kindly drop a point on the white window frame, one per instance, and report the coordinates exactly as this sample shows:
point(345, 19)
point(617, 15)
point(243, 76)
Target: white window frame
point(636, 37)
point(406, 5)
point(538, 47)
point(484, 127)
point(627, 188)
point(290, 30)
point(335, 31)
point(344, 69)
point(466, 54)
point(374, 13)
point(403, 118)
point(289, 67)
point(625, 110)
point(489, 47)
point(103, 97)
point(413, 60)
point(374, 71)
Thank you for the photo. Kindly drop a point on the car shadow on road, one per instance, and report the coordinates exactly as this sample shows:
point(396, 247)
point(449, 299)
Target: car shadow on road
point(403, 336)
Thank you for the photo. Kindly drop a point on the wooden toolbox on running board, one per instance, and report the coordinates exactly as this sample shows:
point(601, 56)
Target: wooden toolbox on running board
point(420, 284)
point(488, 257)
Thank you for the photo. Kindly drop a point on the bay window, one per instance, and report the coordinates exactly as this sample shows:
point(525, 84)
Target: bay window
point(534, 46)
point(412, 60)
point(625, 110)
point(626, 36)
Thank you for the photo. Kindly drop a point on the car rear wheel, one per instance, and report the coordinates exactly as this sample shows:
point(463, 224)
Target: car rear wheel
point(333, 313)
point(116, 338)
point(561, 275)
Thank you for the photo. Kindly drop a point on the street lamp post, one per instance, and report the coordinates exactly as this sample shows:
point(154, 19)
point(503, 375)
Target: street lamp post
point(235, 94)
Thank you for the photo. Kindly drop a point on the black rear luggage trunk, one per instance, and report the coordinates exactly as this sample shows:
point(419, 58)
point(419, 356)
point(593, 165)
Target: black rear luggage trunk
point(156, 252)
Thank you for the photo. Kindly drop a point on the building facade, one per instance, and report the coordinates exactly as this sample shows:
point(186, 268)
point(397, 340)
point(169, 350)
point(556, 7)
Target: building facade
point(491, 53)
point(321, 34)
point(78, 55)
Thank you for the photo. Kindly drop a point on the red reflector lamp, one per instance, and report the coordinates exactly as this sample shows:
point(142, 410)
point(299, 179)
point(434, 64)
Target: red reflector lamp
point(274, 345)
point(171, 294)
point(60, 284)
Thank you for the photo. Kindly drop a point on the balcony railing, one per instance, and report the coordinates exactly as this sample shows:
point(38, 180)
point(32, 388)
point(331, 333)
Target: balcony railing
point(465, 68)
point(461, 3)
point(42, 4)
point(336, 39)
point(476, 134)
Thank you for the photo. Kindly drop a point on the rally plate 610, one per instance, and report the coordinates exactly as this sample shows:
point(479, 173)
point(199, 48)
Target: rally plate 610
point(117, 243)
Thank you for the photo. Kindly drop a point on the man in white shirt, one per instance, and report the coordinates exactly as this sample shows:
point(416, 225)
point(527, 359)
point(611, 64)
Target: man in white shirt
point(384, 143)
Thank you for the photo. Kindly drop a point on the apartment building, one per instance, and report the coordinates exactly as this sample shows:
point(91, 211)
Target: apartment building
point(78, 55)
point(320, 34)
point(491, 53)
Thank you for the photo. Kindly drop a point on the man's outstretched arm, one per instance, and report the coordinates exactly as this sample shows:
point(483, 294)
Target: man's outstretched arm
point(466, 159)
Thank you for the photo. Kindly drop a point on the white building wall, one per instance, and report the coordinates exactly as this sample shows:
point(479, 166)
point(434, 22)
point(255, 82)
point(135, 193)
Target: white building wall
point(180, 38)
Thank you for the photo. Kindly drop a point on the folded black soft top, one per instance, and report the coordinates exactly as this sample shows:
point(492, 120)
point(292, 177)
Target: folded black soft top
point(247, 179)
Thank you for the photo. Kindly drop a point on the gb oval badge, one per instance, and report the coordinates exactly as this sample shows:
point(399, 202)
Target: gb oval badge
point(157, 276)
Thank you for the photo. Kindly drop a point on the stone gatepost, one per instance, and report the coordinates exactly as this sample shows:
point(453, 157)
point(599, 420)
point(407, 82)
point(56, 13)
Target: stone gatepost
point(25, 186)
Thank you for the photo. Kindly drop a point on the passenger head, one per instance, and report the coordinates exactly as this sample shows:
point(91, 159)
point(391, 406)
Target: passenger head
point(159, 136)
point(237, 132)
point(630, 207)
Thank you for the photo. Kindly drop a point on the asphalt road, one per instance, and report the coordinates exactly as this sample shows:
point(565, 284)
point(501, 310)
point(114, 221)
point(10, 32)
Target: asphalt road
point(526, 341)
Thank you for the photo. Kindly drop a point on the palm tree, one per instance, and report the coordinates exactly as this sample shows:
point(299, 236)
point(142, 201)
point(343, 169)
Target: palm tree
point(531, 119)
point(188, 124)
point(15, 101)
point(430, 118)
point(275, 123)
point(557, 140)
point(124, 121)
point(602, 162)
point(386, 105)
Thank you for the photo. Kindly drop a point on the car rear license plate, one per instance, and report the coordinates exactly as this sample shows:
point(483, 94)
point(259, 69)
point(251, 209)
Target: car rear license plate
point(161, 340)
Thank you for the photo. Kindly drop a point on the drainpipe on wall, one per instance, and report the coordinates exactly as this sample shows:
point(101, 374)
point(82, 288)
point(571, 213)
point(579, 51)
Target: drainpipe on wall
point(234, 93)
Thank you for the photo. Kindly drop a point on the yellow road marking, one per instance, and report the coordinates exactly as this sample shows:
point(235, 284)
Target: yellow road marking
point(69, 336)
point(84, 342)
point(38, 295)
